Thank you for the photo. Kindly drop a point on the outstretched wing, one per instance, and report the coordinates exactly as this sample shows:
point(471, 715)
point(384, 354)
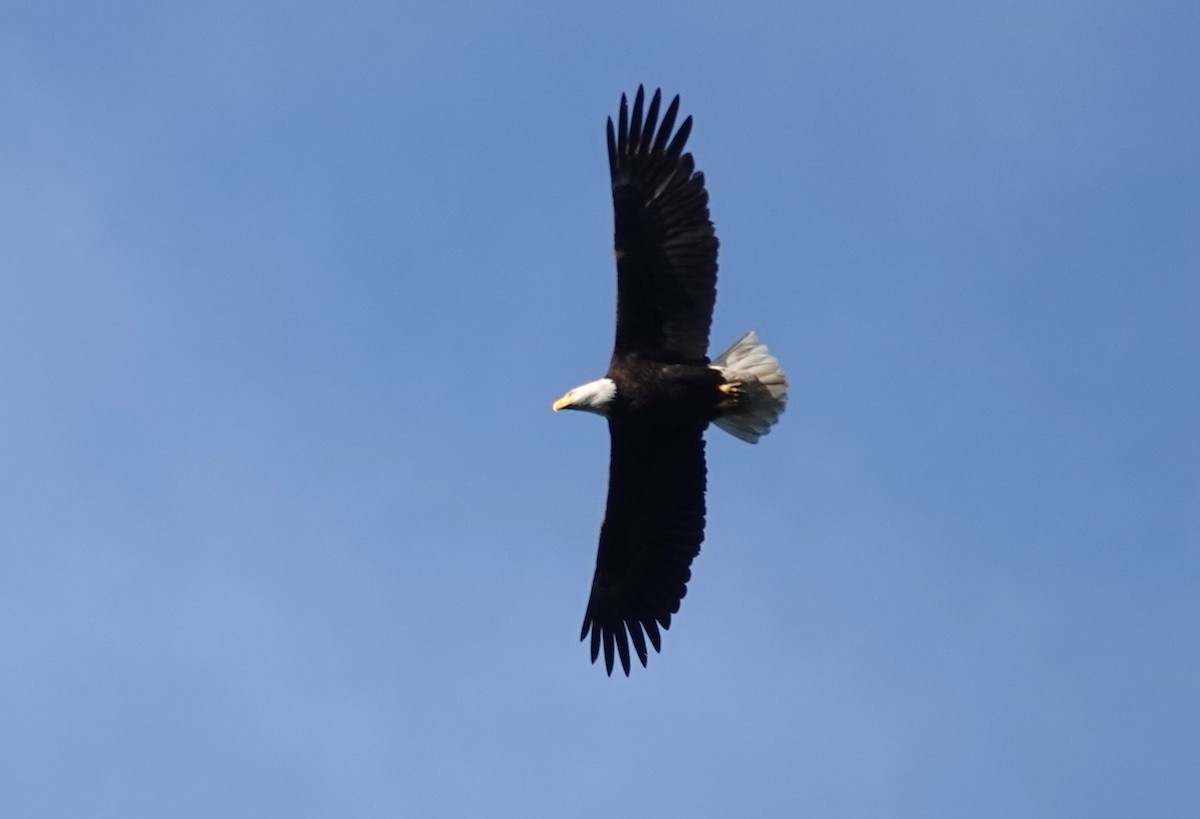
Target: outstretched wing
point(665, 245)
point(652, 531)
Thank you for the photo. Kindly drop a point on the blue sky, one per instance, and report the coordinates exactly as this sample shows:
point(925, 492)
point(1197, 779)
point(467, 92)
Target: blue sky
point(287, 527)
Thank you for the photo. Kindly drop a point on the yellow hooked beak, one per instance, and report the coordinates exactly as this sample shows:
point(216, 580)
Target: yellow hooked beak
point(562, 403)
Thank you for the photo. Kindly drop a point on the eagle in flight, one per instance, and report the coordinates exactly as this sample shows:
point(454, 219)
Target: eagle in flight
point(661, 391)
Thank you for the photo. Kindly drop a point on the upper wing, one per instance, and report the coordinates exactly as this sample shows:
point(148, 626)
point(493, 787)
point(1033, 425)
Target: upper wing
point(665, 245)
point(652, 530)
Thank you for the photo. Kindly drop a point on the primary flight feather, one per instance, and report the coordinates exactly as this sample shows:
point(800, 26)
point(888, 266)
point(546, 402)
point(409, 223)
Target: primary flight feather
point(661, 391)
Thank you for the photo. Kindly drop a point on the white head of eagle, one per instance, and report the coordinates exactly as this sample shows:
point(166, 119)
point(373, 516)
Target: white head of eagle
point(595, 396)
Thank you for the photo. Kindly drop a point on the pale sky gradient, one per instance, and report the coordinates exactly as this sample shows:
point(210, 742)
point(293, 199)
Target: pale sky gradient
point(288, 529)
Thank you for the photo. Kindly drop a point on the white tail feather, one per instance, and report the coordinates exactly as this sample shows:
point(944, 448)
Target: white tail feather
point(764, 388)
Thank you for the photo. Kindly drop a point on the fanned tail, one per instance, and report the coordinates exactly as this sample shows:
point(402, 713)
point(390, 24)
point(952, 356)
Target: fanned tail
point(763, 394)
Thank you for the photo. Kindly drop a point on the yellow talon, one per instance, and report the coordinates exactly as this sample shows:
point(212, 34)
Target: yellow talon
point(733, 392)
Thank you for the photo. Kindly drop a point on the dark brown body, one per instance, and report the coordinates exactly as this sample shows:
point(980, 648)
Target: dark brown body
point(672, 394)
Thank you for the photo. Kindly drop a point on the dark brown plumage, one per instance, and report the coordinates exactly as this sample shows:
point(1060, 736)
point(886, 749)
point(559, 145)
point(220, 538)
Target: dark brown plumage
point(665, 245)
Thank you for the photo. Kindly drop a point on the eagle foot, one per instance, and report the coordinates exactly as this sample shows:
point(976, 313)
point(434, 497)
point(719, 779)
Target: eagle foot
point(734, 393)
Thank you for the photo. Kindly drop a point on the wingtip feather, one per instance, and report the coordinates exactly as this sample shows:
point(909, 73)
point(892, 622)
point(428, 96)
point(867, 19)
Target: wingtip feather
point(608, 650)
point(622, 641)
point(681, 137)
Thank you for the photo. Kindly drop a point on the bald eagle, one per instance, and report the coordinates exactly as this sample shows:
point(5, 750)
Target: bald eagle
point(661, 391)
